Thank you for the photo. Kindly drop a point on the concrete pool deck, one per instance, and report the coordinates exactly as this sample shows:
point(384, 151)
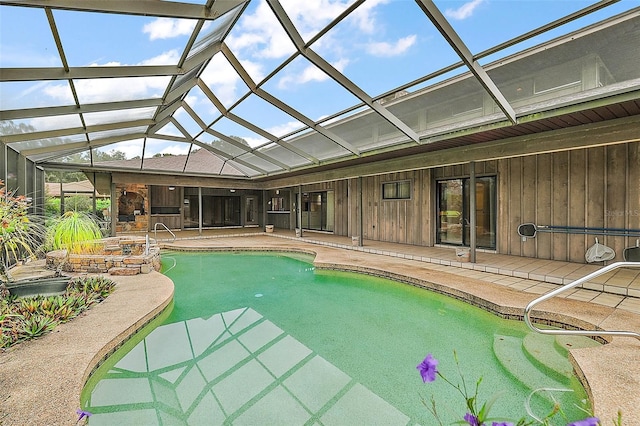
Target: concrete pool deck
point(42, 380)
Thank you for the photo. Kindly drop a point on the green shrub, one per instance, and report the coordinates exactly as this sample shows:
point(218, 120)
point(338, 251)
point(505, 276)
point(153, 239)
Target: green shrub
point(52, 207)
point(31, 317)
point(20, 233)
point(78, 203)
point(74, 231)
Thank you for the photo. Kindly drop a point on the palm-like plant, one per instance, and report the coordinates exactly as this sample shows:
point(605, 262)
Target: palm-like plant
point(74, 231)
point(20, 233)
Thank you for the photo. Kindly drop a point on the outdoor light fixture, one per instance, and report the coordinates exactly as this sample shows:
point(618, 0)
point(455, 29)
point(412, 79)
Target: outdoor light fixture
point(171, 188)
point(232, 190)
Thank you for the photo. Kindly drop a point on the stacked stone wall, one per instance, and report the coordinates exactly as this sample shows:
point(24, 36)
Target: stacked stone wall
point(120, 256)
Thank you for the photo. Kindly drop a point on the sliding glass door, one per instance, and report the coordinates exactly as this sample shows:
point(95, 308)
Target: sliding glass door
point(454, 216)
point(318, 211)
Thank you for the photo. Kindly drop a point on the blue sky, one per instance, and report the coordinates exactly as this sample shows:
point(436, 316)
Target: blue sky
point(381, 46)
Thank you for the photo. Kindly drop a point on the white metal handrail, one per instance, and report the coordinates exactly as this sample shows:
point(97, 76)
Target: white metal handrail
point(602, 271)
point(155, 231)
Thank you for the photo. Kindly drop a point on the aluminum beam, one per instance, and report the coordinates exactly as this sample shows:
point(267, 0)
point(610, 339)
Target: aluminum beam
point(167, 9)
point(447, 31)
point(340, 78)
point(38, 74)
point(18, 114)
point(21, 137)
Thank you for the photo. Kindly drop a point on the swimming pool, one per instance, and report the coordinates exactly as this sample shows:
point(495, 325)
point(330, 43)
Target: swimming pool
point(257, 338)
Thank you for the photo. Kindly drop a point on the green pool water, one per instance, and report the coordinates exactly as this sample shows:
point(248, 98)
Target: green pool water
point(264, 339)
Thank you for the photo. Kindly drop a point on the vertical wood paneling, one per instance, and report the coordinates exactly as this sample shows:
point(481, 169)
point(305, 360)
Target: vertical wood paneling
point(505, 238)
point(543, 203)
point(528, 200)
point(595, 202)
point(560, 204)
point(576, 200)
point(426, 206)
point(596, 187)
point(374, 206)
point(514, 200)
point(616, 190)
point(633, 191)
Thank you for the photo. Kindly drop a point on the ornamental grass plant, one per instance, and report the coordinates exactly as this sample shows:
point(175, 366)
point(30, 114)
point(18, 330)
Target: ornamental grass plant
point(75, 232)
point(21, 234)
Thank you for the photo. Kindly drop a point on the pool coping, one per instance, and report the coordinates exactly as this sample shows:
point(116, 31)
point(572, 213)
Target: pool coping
point(50, 372)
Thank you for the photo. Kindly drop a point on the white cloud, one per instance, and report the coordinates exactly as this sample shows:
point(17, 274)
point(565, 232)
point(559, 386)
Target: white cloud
point(255, 69)
point(115, 89)
point(365, 17)
point(170, 57)
point(181, 149)
point(464, 11)
point(220, 76)
point(311, 16)
point(254, 142)
point(162, 28)
point(285, 128)
point(132, 148)
point(109, 89)
point(309, 74)
point(391, 49)
point(261, 36)
point(56, 122)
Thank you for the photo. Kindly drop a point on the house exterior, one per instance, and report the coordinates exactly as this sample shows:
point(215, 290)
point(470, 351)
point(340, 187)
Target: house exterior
point(451, 164)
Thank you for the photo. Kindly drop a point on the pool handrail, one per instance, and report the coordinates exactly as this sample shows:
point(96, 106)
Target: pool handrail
point(579, 281)
point(155, 231)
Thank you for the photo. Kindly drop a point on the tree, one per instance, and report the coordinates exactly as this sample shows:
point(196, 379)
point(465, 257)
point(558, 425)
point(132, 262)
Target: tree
point(83, 158)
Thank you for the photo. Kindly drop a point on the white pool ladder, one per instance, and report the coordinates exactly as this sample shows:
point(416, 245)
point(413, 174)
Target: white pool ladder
point(602, 271)
point(155, 231)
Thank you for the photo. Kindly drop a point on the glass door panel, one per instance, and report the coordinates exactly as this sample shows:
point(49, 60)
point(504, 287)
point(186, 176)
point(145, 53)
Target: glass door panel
point(318, 211)
point(250, 211)
point(450, 212)
point(485, 213)
point(454, 207)
point(191, 211)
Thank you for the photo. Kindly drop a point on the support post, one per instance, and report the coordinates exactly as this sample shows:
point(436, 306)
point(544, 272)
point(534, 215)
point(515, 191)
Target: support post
point(199, 210)
point(472, 211)
point(299, 209)
point(359, 210)
point(113, 207)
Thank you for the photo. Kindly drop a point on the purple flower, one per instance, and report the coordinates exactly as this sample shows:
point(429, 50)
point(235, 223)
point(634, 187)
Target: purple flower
point(501, 424)
point(591, 421)
point(471, 419)
point(427, 369)
point(82, 414)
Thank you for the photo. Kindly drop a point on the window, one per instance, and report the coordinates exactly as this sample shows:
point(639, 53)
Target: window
point(400, 190)
point(277, 204)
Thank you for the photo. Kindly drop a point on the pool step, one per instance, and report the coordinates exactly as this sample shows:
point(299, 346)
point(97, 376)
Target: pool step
point(565, 343)
point(510, 353)
point(546, 355)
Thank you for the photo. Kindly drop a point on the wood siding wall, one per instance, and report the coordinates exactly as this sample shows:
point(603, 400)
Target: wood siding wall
point(593, 187)
point(596, 187)
point(399, 221)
